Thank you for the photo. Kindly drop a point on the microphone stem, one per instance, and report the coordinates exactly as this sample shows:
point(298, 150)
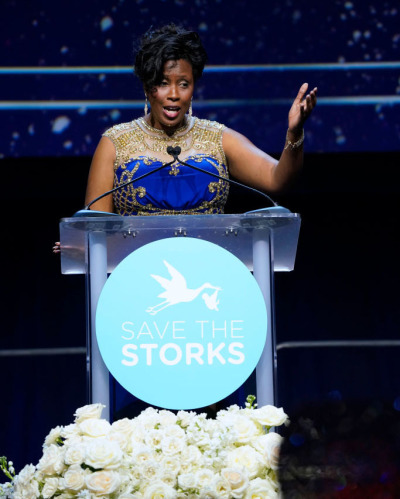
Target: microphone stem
point(87, 207)
point(227, 180)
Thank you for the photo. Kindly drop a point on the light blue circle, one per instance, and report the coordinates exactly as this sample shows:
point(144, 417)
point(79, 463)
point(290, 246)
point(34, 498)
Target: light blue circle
point(181, 354)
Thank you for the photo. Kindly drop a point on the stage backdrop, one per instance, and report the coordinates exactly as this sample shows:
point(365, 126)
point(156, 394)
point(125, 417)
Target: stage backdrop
point(66, 75)
point(66, 70)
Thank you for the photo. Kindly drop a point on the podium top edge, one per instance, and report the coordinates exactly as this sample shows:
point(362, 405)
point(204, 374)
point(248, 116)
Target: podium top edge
point(246, 221)
point(226, 216)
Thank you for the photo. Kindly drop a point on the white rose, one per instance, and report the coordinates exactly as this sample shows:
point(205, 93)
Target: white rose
point(168, 477)
point(167, 418)
point(199, 421)
point(159, 490)
point(172, 445)
point(27, 473)
point(101, 453)
point(187, 481)
point(52, 437)
point(120, 439)
point(191, 454)
point(25, 485)
point(153, 438)
point(74, 478)
point(171, 464)
point(141, 453)
point(74, 454)
point(198, 437)
point(185, 418)
point(95, 427)
point(243, 426)
point(148, 418)
point(269, 446)
point(150, 469)
point(92, 411)
point(261, 489)
point(212, 426)
point(175, 431)
point(52, 461)
point(50, 487)
point(231, 409)
point(138, 434)
point(269, 415)
point(221, 488)
point(238, 480)
point(103, 482)
point(189, 467)
point(124, 426)
point(245, 457)
point(204, 478)
point(71, 433)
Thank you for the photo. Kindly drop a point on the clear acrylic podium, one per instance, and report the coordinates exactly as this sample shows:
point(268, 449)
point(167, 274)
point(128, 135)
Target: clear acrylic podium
point(265, 241)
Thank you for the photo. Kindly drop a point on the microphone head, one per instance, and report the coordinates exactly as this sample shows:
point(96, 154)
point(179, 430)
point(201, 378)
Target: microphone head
point(174, 151)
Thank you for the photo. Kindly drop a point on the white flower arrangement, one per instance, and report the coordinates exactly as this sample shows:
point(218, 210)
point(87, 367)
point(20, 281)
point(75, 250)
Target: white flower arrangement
point(156, 455)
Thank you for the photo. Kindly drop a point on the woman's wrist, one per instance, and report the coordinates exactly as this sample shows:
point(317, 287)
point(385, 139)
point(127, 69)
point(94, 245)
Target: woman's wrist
point(294, 139)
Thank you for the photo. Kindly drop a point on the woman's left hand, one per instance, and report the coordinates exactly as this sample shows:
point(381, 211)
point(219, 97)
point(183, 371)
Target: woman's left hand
point(302, 107)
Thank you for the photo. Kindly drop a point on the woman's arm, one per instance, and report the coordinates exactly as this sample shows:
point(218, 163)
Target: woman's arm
point(254, 167)
point(100, 180)
point(101, 176)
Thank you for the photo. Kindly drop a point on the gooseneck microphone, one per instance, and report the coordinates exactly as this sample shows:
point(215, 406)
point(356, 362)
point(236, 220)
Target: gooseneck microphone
point(175, 151)
point(86, 211)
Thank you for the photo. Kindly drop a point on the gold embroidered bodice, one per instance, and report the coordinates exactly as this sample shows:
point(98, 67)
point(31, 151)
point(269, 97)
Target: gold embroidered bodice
point(174, 189)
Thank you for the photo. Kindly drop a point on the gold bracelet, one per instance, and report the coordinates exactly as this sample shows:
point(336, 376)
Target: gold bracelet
point(294, 145)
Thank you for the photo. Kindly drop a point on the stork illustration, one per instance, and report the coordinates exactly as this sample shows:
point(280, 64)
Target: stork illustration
point(177, 291)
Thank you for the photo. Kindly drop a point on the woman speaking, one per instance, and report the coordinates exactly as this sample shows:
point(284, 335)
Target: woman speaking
point(169, 62)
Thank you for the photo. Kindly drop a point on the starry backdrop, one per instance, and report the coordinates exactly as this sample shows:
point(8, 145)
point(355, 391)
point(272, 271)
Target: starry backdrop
point(66, 76)
point(67, 70)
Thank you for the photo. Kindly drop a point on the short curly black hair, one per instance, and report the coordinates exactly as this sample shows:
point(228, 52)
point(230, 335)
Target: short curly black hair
point(168, 43)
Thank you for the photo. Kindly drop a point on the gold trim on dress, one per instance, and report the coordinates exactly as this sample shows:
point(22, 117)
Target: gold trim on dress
point(198, 139)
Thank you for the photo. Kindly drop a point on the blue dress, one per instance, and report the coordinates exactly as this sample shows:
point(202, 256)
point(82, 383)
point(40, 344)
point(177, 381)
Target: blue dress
point(176, 189)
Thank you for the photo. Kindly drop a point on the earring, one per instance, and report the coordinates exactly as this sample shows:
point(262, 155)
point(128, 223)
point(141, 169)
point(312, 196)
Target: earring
point(146, 107)
point(190, 108)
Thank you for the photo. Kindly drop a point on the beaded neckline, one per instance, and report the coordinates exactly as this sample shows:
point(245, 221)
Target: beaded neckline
point(157, 131)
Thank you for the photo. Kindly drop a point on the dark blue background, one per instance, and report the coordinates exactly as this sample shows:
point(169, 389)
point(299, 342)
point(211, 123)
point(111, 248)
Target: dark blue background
point(346, 280)
point(349, 49)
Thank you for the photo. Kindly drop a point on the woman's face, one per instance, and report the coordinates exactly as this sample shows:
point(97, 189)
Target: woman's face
point(171, 99)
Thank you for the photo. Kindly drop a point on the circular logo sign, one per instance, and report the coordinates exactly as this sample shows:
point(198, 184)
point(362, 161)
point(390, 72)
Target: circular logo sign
point(181, 323)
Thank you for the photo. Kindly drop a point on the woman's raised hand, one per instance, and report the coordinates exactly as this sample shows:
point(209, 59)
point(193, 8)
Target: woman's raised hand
point(301, 108)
